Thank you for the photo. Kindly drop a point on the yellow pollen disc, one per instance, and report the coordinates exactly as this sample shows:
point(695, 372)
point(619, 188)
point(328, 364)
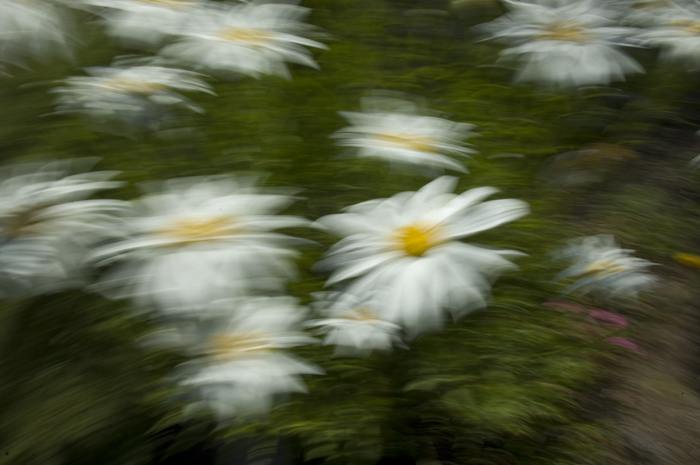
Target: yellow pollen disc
point(407, 141)
point(363, 314)
point(690, 260)
point(692, 28)
point(246, 35)
point(566, 32)
point(417, 238)
point(226, 347)
point(199, 229)
point(134, 86)
point(604, 268)
point(174, 3)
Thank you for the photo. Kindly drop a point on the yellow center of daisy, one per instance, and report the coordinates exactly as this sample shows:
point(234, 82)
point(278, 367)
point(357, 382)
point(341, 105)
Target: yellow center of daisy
point(417, 238)
point(174, 3)
point(134, 86)
point(406, 141)
point(603, 268)
point(363, 314)
point(571, 32)
point(201, 229)
point(247, 35)
point(229, 346)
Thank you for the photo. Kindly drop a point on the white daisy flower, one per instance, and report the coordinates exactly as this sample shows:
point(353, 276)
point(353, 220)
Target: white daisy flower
point(677, 32)
point(570, 43)
point(144, 23)
point(405, 136)
point(202, 239)
point(605, 267)
point(136, 95)
point(251, 38)
point(407, 246)
point(36, 29)
point(355, 325)
point(243, 366)
point(47, 225)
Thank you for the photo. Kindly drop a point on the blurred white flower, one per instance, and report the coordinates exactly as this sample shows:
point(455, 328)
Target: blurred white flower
point(404, 135)
point(202, 239)
point(605, 267)
point(144, 23)
point(36, 29)
point(47, 226)
point(135, 95)
point(407, 246)
point(251, 38)
point(565, 43)
point(242, 365)
point(677, 32)
point(355, 325)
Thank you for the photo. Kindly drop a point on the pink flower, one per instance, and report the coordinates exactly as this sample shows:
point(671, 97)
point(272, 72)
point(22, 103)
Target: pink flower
point(622, 342)
point(569, 306)
point(609, 318)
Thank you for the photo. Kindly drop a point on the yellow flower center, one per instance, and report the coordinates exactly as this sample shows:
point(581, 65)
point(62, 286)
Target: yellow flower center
point(134, 86)
point(229, 346)
point(365, 315)
point(603, 268)
point(201, 229)
point(570, 32)
point(407, 141)
point(173, 3)
point(247, 36)
point(690, 260)
point(417, 238)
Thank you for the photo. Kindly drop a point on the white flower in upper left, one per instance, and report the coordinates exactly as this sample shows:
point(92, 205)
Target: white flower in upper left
point(36, 29)
point(48, 224)
point(251, 38)
point(136, 94)
point(143, 23)
point(197, 240)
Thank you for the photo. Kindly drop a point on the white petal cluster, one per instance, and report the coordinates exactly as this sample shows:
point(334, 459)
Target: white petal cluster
point(408, 246)
point(242, 366)
point(355, 325)
point(676, 31)
point(404, 136)
point(136, 95)
point(47, 223)
point(606, 268)
point(196, 240)
point(143, 23)
point(564, 43)
point(251, 38)
point(38, 29)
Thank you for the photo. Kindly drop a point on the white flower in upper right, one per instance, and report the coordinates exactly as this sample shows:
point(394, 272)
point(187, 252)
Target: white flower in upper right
point(408, 246)
point(564, 43)
point(405, 136)
point(676, 31)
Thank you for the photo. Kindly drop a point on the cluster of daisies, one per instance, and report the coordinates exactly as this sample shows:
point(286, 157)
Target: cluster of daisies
point(205, 258)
